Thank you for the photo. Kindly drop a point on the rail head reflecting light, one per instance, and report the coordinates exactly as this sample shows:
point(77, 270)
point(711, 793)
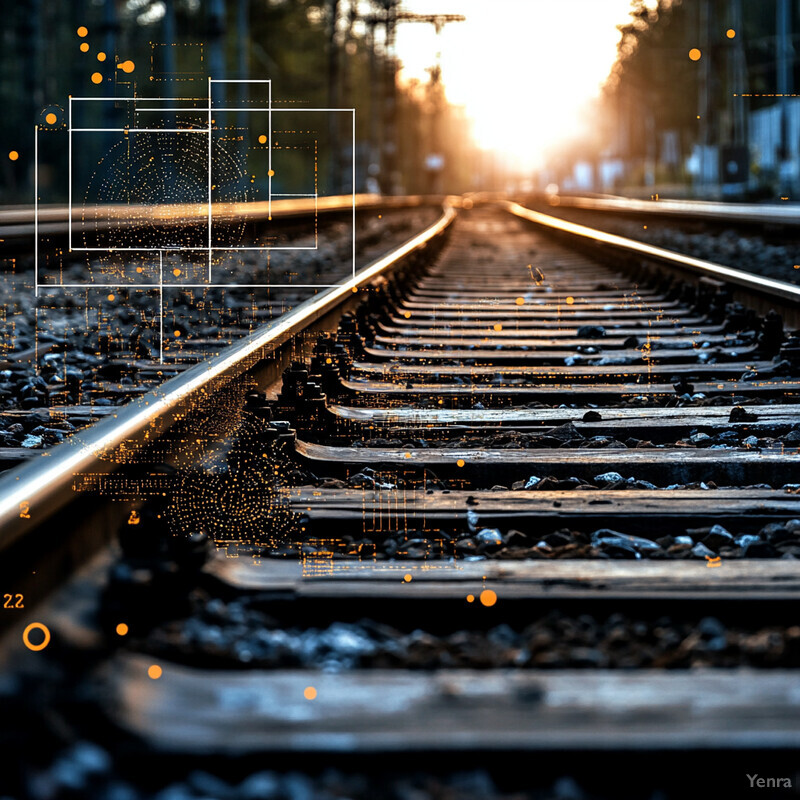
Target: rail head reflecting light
point(44, 484)
point(779, 290)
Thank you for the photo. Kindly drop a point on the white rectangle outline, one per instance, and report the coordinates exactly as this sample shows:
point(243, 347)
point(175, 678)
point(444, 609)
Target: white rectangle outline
point(160, 284)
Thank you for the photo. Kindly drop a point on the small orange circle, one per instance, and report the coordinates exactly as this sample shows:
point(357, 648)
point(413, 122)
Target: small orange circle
point(154, 672)
point(122, 629)
point(111, 297)
point(51, 119)
point(470, 598)
point(82, 31)
point(695, 54)
point(730, 33)
point(36, 626)
point(460, 462)
point(13, 155)
point(177, 334)
point(97, 77)
point(270, 172)
point(309, 693)
point(127, 66)
point(101, 56)
point(498, 327)
point(488, 597)
point(262, 139)
point(176, 272)
point(139, 269)
point(84, 48)
point(407, 577)
point(570, 300)
point(355, 289)
point(407, 314)
point(520, 301)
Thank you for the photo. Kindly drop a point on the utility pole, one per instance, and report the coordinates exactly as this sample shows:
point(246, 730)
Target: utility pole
point(434, 160)
point(334, 173)
point(785, 63)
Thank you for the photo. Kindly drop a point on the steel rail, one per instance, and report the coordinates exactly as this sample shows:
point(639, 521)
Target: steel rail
point(785, 293)
point(18, 221)
point(761, 214)
point(36, 490)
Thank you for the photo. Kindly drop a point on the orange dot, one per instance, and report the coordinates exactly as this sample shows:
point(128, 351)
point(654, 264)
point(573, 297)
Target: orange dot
point(177, 334)
point(407, 455)
point(498, 327)
point(84, 47)
point(154, 672)
point(270, 172)
point(51, 119)
point(97, 77)
point(127, 66)
point(695, 54)
point(13, 155)
point(570, 300)
point(82, 31)
point(111, 297)
point(407, 314)
point(520, 301)
point(488, 597)
point(262, 139)
point(176, 272)
point(101, 56)
point(139, 269)
point(730, 33)
point(122, 629)
point(470, 598)
point(355, 289)
point(309, 693)
point(407, 577)
point(460, 462)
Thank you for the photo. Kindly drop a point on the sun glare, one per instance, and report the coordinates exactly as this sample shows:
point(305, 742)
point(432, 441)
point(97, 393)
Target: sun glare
point(525, 70)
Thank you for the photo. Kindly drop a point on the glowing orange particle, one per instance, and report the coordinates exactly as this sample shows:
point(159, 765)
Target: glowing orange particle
point(177, 334)
point(310, 693)
point(111, 297)
point(488, 597)
point(695, 54)
point(520, 301)
point(407, 314)
point(51, 118)
point(470, 598)
point(127, 66)
point(730, 33)
point(154, 672)
point(498, 327)
point(176, 272)
point(13, 155)
point(407, 577)
point(101, 56)
point(570, 300)
point(82, 31)
point(84, 48)
point(262, 139)
point(460, 462)
point(97, 77)
point(122, 629)
point(270, 172)
point(139, 269)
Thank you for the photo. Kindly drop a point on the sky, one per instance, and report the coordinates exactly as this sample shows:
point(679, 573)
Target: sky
point(524, 69)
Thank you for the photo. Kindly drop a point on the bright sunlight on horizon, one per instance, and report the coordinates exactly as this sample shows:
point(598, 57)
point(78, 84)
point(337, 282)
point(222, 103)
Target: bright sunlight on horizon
point(525, 70)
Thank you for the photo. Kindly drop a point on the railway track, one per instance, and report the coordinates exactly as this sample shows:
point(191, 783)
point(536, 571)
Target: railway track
point(518, 487)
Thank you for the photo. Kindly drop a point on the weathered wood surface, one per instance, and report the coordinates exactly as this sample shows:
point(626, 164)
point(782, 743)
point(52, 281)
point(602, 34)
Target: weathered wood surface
point(451, 579)
point(254, 711)
point(587, 372)
point(418, 505)
point(716, 416)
